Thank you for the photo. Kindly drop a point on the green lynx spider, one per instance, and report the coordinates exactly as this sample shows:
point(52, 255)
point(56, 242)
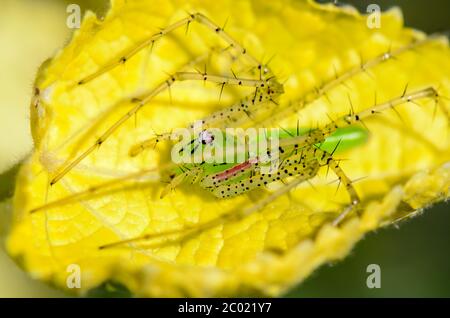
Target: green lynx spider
point(302, 154)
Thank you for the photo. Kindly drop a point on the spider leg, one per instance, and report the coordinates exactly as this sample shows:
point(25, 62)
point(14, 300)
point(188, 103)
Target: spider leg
point(234, 116)
point(345, 180)
point(141, 102)
point(316, 136)
point(192, 173)
point(180, 76)
point(194, 17)
point(153, 175)
point(364, 67)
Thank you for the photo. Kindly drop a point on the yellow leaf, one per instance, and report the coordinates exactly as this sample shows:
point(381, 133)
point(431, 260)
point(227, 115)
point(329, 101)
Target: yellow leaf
point(404, 163)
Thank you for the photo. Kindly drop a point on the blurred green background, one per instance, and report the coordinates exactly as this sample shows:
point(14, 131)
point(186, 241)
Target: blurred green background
point(414, 259)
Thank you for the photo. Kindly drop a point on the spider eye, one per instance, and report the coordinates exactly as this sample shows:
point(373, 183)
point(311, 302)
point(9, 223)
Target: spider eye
point(206, 137)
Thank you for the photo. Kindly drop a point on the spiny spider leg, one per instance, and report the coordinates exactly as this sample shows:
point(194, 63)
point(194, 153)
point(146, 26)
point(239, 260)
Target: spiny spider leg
point(318, 135)
point(153, 174)
point(194, 17)
point(202, 19)
point(265, 98)
point(220, 119)
point(316, 93)
point(141, 102)
point(192, 174)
